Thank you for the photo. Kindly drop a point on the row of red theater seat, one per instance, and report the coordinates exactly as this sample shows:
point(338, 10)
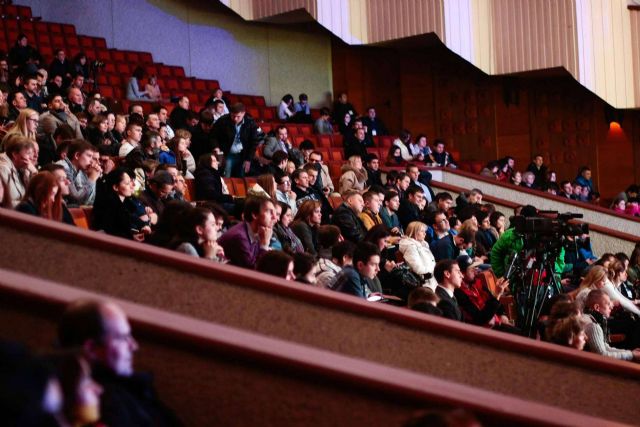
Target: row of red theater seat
point(14, 11)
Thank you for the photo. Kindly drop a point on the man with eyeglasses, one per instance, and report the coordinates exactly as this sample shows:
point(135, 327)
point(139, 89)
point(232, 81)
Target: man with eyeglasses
point(284, 193)
point(324, 181)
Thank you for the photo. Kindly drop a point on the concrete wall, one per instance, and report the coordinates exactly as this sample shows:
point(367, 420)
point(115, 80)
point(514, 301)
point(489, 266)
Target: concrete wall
point(209, 41)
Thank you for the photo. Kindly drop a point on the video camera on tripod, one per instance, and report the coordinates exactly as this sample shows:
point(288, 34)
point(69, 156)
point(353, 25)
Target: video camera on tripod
point(532, 269)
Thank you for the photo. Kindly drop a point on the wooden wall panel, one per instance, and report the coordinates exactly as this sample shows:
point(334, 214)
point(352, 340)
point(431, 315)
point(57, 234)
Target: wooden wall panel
point(486, 118)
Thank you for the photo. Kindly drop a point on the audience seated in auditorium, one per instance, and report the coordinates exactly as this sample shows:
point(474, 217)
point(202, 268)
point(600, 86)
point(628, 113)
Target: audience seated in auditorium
point(246, 241)
point(452, 246)
point(82, 171)
point(153, 89)
point(133, 136)
point(277, 263)
point(157, 191)
point(409, 209)
point(449, 277)
point(370, 215)
point(424, 300)
point(102, 332)
point(374, 125)
point(419, 149)
point(479, 305)
point(302, 110)
point(596, 312)
point(305, 225)
point(342, 107)
point(441, 157)
point(416, 253)
point(304, 268)
point(285, 108)
point(198, 234)
point(329, 267)
point(346, 216)
point(322, 125)
point(356, 145)
point(238, 136)
point(23, 56)
point(43, 197)
point(115, 211)
point(403, 142)
point(289, 241)
point(325, 181)
point(16, 167)
point(25, 125)
point(353, 175)
point(421, 179)
point(280, 142)
point(218, 95)
point(29, 88)
point(388, 213)
point(366, 265)
point(63, 188)
point(374, 175)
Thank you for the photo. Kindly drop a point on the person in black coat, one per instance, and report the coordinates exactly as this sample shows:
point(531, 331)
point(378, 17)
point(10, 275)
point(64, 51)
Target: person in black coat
point(346, 217)
point(209, 184)
point(409, 210)
point(449, 277)
point(180, 114)
point(113, 213)
point(238, 156)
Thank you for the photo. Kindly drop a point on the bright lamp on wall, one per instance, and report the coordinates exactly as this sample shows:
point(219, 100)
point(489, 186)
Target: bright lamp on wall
point(613, 117)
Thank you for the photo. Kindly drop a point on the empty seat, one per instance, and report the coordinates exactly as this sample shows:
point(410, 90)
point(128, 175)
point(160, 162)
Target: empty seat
point(164, 71)
point(212, 85)
point(268, 113)
point(99, 43)
point(254, 112)
point(24, 12)
point(172, 84)
point(26, 26)
point(86, 41)
point(297, 140)
point(10, 10)
point(132, 57)
point(246, 100)
point(68, 30)
point(337, 154)
point(146, 58)
point(259, 101)
point(114, 80)
point(177, 72)
point(102, 80)
point(54, 28)
point(186, 84)
point(199, 85)
point(323, 141)
point(337, 140)
point(71, 41)
point(43, 39)
point(103, 55)
point(306, 129)
point(41, 27)
point(117, 55)
point(106, 91)
point(123, 68)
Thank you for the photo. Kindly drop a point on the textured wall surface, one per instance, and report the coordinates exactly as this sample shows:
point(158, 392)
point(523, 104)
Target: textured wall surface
point(209, 41)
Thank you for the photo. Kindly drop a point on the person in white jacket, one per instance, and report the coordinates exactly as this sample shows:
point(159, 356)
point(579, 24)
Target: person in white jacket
point(416, 253)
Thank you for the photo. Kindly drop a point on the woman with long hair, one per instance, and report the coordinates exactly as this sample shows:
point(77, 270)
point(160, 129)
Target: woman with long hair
point(209, 184)
point(113, 212)
point(287, 238)
point(176, 154)
point(305, 225)
point(26, 125)
point(595, 279)
point(133, 86)
point(98, 131)
point(497, 221)
point(416, 253)
point(198, 235)
point(43, 197)
point(153, 89)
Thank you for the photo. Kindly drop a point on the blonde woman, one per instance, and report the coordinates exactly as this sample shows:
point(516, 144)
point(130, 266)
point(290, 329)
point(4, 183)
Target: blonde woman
point(26, 125)
point(417, 254)
point(354, 176)
point(595, 279)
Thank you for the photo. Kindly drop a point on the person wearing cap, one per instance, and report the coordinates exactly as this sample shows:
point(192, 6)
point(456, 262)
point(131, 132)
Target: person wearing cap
point(478, 304)
point(512, 242)
point(158, 191)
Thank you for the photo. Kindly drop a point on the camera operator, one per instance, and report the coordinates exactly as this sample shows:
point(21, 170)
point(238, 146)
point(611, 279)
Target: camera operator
point(512, 242)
